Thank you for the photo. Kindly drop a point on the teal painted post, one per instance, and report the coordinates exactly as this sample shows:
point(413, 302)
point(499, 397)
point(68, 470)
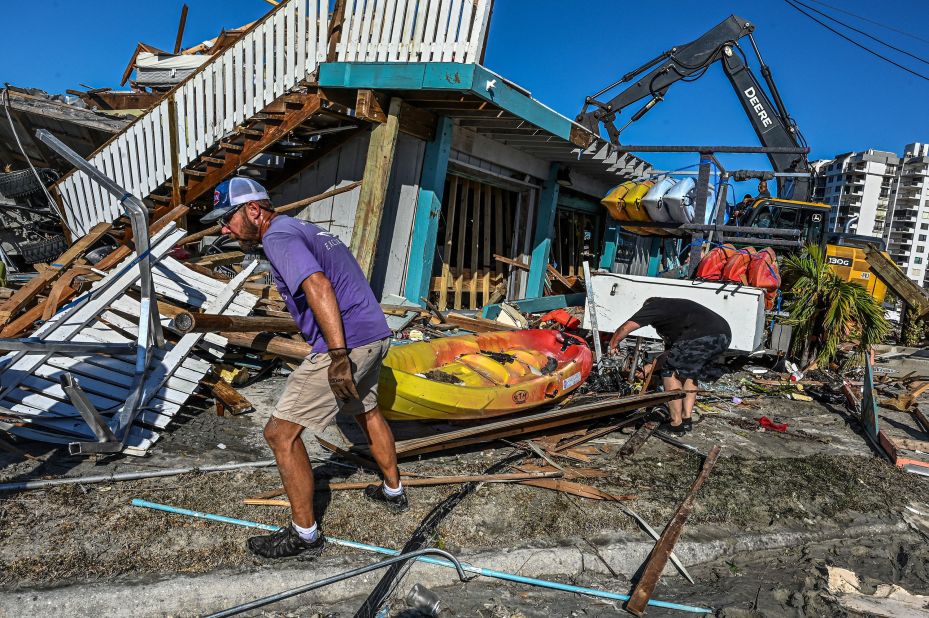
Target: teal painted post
point(611, 242)
point(428, 208)
point(542, 234)
point(654, 256)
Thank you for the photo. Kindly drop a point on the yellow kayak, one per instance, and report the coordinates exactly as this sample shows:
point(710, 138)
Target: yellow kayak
point(615, 201)
point(481, 376)
point(624, 203)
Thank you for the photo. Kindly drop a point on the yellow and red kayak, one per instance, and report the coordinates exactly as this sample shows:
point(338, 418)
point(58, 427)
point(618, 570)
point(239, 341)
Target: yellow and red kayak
point(481, 376)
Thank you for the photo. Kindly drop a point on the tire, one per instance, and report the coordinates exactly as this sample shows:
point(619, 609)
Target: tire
point(43, 250)
point(24, 182)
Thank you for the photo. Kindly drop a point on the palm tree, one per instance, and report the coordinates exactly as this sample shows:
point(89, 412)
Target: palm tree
point(826, 310)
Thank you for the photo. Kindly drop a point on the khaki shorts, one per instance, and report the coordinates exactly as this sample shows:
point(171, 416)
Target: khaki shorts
point(308, 399)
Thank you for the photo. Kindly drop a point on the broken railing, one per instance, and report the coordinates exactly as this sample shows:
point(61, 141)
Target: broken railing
point(274, 56)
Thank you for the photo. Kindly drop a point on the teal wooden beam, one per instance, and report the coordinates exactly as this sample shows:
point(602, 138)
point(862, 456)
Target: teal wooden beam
point(654, 256)
point(542, 233)
point(450, 76)
point(428, 209)
point(611, 242)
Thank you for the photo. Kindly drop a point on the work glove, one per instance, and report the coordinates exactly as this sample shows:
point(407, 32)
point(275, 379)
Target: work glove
point(340, 375)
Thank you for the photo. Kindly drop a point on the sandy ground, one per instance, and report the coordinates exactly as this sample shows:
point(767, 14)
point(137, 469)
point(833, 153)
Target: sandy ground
point(820, 475)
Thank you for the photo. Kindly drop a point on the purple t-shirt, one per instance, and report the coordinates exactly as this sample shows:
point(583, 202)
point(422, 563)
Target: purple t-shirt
point(296, 250)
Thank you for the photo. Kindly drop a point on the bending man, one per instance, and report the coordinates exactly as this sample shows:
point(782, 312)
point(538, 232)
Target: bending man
point(328, 295)
point(694, 336)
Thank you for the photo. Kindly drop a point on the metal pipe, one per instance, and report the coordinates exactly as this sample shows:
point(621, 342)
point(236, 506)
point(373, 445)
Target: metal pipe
point(709, 149)
point(128, 476)
point(731, 229)
point(40, 346)
point(149, 320)
point(393, 552)
point(280, 596)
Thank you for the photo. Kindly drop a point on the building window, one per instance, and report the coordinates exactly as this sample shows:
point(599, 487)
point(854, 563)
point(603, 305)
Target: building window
point(917, 260)
point(918, 273)
point(924, 226)
point(920, 249)
point(922, 238)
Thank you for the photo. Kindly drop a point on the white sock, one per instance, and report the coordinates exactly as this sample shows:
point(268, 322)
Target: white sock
point(393, 493)
point(307, 534)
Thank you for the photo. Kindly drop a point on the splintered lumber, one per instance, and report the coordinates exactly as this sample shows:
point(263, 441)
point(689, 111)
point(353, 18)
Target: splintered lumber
point(216, 229)
point(636, 440)
point(508, 477)
point(541, 421)
point(587, 437)
point(658, 558)
point(921, 419)
point(24, 295)
point(266, 342)
point(477, 325)
point(224, 392)
point(190, 322)
point(576, 489)
point(219, 259)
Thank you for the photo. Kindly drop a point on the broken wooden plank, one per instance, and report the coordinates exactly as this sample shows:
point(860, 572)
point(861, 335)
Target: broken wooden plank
point(658, 558)
point(507, 477)
point(577, 489)
point(921, 419)
point(227, 258)
point(477, 325)
point(224, 392)
point(24, 295)
point(541, 421)
point(636, 440)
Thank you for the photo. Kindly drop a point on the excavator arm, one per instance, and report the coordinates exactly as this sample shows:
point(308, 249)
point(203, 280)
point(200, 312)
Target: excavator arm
point(769, 119)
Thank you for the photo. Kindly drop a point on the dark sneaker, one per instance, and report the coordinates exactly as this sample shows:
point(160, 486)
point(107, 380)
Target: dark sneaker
point(397, 504)
point(688, 424)
point(286, 543)
point(676, 430)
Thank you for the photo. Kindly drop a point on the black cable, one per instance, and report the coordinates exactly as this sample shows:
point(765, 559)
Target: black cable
point(856, 43)
point(871, 21)
point(859, 31)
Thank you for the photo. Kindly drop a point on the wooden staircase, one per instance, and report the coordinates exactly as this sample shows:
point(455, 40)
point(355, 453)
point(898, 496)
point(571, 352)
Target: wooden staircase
point(259, 94)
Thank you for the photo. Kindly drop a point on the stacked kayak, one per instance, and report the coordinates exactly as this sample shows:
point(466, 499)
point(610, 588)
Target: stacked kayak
point(654, 202)
point(680, 199)
point(624, 203)
point(481, 376)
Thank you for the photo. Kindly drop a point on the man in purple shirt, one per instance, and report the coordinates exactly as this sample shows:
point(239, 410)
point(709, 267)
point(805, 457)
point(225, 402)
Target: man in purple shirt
point(329, 297)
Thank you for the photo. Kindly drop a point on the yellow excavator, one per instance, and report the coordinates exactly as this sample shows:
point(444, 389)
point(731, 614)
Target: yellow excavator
point(771, 122)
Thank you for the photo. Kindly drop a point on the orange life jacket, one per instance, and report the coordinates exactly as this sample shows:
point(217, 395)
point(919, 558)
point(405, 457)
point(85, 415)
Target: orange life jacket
point(736, 268)
point(763, 273)
point(712, 264)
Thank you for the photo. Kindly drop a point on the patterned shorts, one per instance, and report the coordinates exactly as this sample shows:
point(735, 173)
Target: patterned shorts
point(688, 357)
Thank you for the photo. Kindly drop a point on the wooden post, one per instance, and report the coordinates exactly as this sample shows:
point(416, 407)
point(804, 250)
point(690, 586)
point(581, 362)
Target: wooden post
point(428, 209)
point(542, 234)
point(378, 167)
point(175, 162)
point(611, 242)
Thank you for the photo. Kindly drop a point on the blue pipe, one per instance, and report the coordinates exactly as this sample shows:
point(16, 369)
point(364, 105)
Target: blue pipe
point(445, 563)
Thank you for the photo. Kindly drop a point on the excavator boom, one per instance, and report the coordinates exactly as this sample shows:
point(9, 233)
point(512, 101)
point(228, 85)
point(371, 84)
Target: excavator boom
point(769, 119)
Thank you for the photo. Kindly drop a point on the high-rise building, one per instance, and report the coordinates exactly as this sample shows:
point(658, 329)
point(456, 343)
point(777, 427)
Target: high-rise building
point(908, 223)
point(878, 193)
point(859, 185)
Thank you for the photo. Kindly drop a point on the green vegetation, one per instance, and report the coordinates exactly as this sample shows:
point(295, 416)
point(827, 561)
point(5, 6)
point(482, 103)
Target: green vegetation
point(826, 311)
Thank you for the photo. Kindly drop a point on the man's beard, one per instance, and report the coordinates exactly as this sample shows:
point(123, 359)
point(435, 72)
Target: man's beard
point(249, 239)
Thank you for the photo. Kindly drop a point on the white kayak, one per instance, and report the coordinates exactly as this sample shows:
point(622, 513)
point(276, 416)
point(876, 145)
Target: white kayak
point(653, 200)
point(679, 201)
point(677, 198)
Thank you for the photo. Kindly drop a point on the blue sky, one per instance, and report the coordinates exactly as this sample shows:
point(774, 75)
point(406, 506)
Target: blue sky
point(843, 98)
